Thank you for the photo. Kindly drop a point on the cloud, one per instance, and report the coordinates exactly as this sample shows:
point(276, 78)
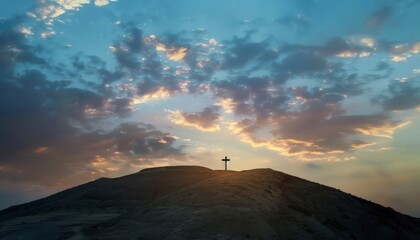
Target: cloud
point(206, 120)
point(123, 106)
point(101, 3)
point(370, 42)
point(173, 53)
point(172, 45)
point(14, 49)
point(335, 46)
point(49, 128)
point(247, 94)
point(48, 10)
point(71, 4)
point(48, 34)
point(65, 122)
point(134, 39)
point(303, 62)
point(402, 96)
point(81, 157)
point(241, 51)
point(124, 58)
point(384, 66)
point(353, 54)
point(379, 17)
point(154, 93)
point(402, 49)
point(281, 118)
point(139, 55)
point(257, 80)
point(27, 31)
point(399, 59)
point(33, 104)
point(227, 104)
point(36, 111)
point(294, 136)
point(106, 82)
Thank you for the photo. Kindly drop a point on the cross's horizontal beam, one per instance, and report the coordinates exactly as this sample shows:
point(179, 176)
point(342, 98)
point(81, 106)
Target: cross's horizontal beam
point(225, 160)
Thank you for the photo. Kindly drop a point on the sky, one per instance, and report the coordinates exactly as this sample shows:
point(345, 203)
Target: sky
point(321, 89)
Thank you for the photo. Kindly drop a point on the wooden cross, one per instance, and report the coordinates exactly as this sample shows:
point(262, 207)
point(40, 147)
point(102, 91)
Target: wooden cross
point(225, 160)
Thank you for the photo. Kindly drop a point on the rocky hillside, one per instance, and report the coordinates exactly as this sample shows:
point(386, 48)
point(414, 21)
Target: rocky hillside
point(188, 202)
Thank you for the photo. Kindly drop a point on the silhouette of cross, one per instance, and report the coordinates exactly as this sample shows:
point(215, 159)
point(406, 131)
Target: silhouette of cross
point(225, 160)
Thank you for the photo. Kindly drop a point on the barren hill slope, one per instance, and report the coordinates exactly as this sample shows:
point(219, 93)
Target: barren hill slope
point(188, 202)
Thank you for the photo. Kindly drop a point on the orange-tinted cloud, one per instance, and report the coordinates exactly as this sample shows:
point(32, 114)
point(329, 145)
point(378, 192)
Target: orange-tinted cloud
point(173, 53)
point(206, 121)
point(159, 93)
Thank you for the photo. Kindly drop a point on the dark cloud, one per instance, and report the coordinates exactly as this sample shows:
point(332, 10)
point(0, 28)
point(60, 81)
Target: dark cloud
point(202, 64)
point(398, 48)
point(205, 119)
point(95, 69)
point(142, 140)
point(35, 111)
point(33, 79)
point(294, 132)
point(47, 127)
point(149, 86)
point(332, 47)
point(322, 95)
point(80, 157)
point(384, 66)
point(379, 17)
point(125, 59)
point(332, 97)
point(138, 57)
point(123, 106)
point(44, 123)
point(402, 96)
point(248, 94)
point(292, 112)
point(336, 46)
point(241, 52)
point(333, 132)
point(303, 62)
point(347, 84)
point(130, 48)
point(108, 76)
point(14, 49)
point(134, 40)
point(142, 72)
point(321, 62)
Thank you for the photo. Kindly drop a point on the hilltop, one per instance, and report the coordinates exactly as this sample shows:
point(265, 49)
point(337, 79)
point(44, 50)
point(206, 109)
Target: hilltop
point(191, 202)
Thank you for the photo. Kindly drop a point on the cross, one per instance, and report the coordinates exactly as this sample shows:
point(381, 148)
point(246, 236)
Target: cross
point(225, 160)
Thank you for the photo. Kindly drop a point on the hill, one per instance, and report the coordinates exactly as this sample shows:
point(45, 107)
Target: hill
point(190, 202)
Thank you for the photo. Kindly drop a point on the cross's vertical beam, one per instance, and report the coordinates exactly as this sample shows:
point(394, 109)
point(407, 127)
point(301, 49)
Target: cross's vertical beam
point(225, 160)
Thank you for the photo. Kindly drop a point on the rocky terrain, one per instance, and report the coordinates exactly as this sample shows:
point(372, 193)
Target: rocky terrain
point(189, 202)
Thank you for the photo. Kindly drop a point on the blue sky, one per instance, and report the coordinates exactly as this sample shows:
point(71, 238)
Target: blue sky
point(321, 89)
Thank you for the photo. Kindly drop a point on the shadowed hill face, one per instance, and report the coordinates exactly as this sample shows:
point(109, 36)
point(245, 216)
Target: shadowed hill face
point(119, 193)
point(198, 203)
